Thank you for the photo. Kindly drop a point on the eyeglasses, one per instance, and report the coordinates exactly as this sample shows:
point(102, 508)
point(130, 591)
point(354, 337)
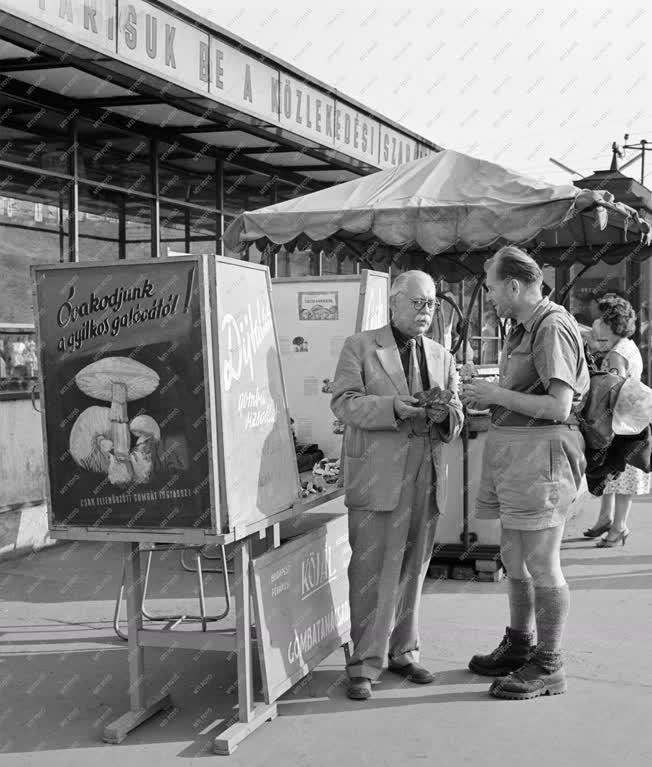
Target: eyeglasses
point(421, 303)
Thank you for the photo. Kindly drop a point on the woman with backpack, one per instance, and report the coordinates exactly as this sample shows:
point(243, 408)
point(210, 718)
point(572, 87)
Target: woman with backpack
point(613, 331)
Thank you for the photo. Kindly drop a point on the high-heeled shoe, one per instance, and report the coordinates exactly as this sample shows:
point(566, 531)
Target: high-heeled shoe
point(596, 532)
point(609, 543)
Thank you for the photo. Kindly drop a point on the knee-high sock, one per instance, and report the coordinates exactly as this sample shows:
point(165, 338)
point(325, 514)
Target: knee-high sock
point(551, 605)
point(521, 604)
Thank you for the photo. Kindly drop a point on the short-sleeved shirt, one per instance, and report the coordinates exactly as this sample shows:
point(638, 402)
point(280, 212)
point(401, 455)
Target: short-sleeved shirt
point(547, 346)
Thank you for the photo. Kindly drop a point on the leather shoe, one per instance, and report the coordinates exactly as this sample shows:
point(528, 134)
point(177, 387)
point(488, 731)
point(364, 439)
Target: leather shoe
point(359, 688)
point(413, 672)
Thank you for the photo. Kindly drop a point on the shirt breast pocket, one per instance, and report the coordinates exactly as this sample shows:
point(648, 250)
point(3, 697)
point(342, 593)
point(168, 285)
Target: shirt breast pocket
point(519, 372)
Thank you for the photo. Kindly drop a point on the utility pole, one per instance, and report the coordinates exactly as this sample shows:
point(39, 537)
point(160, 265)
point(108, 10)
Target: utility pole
point(643, 146)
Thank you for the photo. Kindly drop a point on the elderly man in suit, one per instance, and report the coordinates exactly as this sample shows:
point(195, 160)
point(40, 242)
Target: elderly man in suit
point(394, 477)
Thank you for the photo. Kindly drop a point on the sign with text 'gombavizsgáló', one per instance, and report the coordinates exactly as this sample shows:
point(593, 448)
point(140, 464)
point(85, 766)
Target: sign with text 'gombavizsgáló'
point(301, 600)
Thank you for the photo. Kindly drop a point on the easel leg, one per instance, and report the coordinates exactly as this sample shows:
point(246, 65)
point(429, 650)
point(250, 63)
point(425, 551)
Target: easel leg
point(139, 711)
point(250, 714)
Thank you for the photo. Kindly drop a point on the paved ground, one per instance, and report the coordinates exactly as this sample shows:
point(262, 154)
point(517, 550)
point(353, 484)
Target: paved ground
point(63, 675)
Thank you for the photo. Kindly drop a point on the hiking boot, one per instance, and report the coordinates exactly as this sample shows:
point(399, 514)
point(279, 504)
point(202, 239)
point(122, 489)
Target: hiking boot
point(514, 650)
point(530, 681)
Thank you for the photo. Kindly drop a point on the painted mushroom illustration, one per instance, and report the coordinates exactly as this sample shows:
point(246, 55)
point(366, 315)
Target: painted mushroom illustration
point(89, 437)
point(144, 457)
point(118, 380)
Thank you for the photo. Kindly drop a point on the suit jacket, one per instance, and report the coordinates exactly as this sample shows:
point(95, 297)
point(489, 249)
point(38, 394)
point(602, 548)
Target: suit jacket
point(369, 376)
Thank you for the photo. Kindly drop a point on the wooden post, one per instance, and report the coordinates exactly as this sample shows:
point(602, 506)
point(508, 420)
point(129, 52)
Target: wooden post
point(139, 710)
point(133, 588)
point(273, 536)
point(250, 714)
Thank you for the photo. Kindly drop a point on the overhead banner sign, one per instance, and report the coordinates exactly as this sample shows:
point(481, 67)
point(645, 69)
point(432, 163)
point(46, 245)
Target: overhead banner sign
point(395, 148)
point(168, 47)
point(306, 110)
point(302, 604)
point(89, 23)
point(163, 44)
point(242, 81)
point(356, 134)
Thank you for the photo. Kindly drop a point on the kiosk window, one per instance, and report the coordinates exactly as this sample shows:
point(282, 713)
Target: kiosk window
point(33, 230)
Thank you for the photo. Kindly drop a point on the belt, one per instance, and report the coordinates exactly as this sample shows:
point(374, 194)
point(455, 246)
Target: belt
point(518, 419)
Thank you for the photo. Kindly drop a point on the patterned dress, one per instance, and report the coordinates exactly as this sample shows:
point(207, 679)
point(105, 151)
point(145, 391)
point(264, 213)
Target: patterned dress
point(632, 481)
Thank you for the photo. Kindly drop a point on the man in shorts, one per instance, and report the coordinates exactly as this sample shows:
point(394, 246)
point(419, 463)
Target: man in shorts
point(532, 467)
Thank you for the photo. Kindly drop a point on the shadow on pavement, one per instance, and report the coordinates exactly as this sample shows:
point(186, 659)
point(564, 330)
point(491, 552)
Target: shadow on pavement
point(64, 700)
point(326, 693)
point(636, 579)
point(611, 557)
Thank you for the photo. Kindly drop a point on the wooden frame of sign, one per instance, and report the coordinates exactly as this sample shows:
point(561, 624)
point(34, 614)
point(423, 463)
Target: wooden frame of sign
point(156, 335)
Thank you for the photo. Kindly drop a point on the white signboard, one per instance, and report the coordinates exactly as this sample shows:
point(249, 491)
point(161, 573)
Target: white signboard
point(313, 317)
point(373, 305)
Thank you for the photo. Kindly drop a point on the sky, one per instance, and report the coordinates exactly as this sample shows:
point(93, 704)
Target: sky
point(515, 84)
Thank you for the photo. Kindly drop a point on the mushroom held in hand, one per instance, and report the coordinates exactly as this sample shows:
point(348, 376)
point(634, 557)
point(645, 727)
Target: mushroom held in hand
point(88, 437)
point(118, 380)
point(434, 396)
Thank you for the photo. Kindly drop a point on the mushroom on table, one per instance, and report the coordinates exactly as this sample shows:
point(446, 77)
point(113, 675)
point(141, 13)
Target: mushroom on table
point(118, 380)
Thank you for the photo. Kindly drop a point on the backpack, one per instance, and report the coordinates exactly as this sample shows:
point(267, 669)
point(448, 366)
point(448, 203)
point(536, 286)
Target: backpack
point(595, 414)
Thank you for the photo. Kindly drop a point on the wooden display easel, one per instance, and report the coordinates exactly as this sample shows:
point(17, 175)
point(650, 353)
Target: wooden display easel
point(220, 505)
point(251, 714)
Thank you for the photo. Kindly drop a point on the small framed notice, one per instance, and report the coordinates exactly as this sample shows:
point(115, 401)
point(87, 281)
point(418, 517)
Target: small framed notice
point(319, 306)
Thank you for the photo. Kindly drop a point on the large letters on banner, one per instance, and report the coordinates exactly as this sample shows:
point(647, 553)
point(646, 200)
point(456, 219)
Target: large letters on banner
point(260, 470)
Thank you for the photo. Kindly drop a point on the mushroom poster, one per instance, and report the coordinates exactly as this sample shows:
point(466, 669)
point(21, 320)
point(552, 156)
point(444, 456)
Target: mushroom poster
point(124, 394)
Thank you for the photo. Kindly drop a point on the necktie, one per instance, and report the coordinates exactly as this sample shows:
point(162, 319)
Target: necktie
point(415, 383)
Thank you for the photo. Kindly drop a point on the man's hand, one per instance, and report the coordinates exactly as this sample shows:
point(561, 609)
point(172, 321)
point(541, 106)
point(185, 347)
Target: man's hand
point(404, 407)
point(437, 413)
point(480, 394)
